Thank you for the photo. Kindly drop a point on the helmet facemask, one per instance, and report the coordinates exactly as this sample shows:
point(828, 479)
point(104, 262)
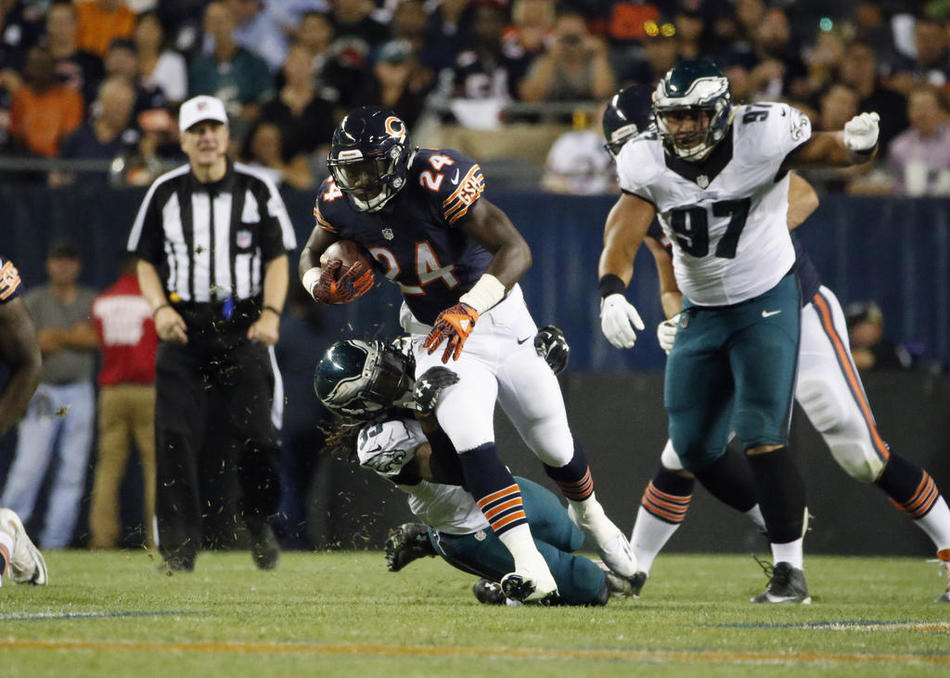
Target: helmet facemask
point(369, 181)
point(707, 105)
point(361, 380)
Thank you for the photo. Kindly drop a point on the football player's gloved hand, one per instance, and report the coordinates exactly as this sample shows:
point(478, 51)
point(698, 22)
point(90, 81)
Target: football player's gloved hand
point(618, 318)
point(453, 326)
point(551, 345)
point(860, 133)
point(429, 387)
point(666, 332)
point(353, 283)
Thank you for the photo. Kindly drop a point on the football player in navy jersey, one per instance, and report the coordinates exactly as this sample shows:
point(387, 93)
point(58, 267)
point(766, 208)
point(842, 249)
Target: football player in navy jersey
point(20, 353)
point(828, 389)
point(457, 259)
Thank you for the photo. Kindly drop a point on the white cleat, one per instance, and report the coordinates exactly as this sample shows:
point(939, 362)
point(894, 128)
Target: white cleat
point(26, 562)
point(612, 545)
point(530, 584)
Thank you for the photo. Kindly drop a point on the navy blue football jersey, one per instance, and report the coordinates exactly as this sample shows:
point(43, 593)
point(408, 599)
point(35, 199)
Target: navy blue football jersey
point(10, 284)
point(414, 240)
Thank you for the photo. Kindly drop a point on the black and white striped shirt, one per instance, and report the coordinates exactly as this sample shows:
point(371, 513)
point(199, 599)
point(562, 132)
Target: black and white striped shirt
point(210, 242)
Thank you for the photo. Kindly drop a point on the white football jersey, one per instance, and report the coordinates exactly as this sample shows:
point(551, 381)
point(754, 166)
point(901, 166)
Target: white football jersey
point(387, 447)
point(726, 216)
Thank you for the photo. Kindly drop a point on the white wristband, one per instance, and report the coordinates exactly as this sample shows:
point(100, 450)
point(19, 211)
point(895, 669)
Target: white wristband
point(310, 279)
point(487, 292)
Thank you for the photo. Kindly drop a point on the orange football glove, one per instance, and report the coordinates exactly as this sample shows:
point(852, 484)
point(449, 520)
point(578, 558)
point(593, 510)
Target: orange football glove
point(453, 325)
point(352, 284)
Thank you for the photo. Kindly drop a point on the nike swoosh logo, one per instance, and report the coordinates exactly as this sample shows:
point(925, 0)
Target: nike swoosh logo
point(455, 179)
point(769, 314)
point(521, 341)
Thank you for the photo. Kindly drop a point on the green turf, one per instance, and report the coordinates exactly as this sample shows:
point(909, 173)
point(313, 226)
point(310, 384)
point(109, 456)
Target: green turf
point(342, 614)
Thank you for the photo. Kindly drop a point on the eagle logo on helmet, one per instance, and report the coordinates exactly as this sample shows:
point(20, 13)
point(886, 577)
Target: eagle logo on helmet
point(696, 91)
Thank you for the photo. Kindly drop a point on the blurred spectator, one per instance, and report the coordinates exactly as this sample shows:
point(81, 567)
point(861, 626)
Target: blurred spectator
point(108, 133)
point(315, 35)
point(931, 65)
point(578, 163)
point(43, 112)
point(919, 158)
point(58, 428)
point(646, 66)
point(781, 73)
point(575, 68)
point(356, 34)
point(870, 349)
point(258, 32)
point(230, 73)
point(123, 322)
point(690, 28)
point(182, 20)
point(409, 23)
point(824, 60)
point(626, 21)
point(289, 13)
point(532, 26)
point(872, 26)
point(490, 69)
point(159, 65)
point(99, 22)
point(399, 82)
point(305, 119)
point(449, 30)
point(17, 35)
point(75, 67)
point(859, 70)
point(265, 150)
point(122, 60)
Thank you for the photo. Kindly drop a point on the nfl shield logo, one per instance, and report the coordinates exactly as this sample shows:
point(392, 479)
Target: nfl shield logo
point(388, 233)
point(702, 180)
point(244, 239)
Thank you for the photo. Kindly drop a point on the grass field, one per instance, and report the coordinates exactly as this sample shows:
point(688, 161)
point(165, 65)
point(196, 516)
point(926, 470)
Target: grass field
point(343, 614)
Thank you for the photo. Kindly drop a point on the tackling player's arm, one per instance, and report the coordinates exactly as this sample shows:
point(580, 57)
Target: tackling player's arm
point(802, 201)
point(308, 269)
point(20, 351)
point(626, 226)
point(854, 145)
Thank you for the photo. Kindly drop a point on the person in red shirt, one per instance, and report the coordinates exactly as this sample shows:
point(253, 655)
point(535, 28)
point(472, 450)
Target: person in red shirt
point(123, 321)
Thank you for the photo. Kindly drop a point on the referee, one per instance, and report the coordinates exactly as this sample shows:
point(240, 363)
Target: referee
point(212, 239)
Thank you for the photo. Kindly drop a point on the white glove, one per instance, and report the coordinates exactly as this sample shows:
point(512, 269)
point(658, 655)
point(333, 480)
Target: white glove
point(616, 317)
point(666, 332)
point(860, 132)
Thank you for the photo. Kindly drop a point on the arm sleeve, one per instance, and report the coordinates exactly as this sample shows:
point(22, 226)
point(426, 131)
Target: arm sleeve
point(277, 233)
point(10, 284)
point(147, 238)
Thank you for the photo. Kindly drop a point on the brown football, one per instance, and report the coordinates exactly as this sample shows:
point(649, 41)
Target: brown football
point(349, 252)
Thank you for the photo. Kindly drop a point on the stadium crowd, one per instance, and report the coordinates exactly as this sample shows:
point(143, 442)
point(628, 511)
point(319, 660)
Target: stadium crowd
point(101, 80)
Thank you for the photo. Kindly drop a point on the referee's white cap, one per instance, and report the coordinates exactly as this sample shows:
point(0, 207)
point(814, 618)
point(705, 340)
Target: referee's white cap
point(200, 108)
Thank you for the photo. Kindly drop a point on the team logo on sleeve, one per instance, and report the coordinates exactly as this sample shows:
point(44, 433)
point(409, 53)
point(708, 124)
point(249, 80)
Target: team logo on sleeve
point(9, 280)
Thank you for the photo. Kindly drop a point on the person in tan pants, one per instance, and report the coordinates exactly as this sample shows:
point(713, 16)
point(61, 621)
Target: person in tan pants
point(123, 321)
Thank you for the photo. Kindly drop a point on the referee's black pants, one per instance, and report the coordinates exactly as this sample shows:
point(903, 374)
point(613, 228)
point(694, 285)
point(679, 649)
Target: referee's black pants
point(191, 382)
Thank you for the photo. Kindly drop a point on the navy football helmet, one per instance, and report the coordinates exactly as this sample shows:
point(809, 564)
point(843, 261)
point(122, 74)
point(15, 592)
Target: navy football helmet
point(694, 89)
point(627, 112)
point(361, 380)
point(369, 157)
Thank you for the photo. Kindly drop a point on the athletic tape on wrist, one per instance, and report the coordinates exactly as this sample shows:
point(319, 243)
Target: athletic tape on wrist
point(487, 292)
point(310, 279)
